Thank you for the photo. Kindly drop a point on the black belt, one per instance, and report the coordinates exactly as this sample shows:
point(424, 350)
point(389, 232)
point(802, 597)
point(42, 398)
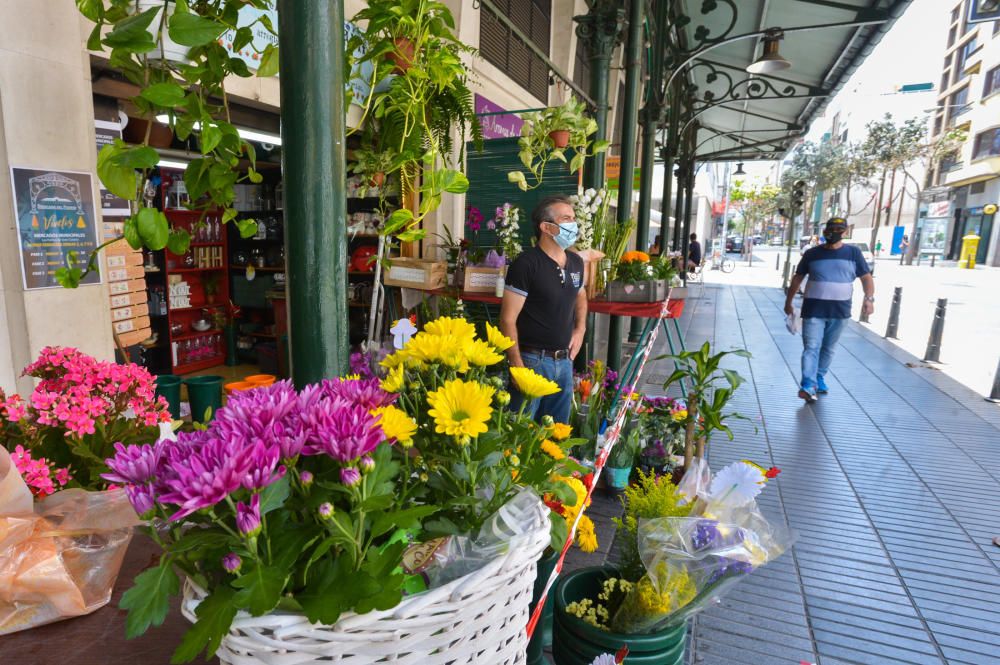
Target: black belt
point(555, 354)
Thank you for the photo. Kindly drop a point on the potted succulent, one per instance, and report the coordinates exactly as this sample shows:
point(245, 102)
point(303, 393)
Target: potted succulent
point(547, 134)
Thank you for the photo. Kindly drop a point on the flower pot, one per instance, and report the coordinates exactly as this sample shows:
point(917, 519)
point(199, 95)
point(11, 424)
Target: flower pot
point(403, 56)
point(168, 386)
point(261, 379)
point(168, 48)
point(616, 478)
point(543, 631)
point(377, 179)
point(648, 290)
point(577, 643)
point(560, 138)
point(160, 135)
point(204, 393)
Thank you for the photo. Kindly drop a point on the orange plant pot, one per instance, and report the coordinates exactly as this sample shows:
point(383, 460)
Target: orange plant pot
point(261, 379)
point(560, 138)
point(237, 386)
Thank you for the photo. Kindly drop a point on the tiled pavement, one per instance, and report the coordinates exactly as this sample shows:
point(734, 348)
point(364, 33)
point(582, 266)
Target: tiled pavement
point(891, 482)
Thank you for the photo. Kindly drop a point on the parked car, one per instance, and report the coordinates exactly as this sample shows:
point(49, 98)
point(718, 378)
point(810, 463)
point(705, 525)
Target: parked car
point(776, 241)
point(757, 239)
point(865, 252)
point(734, 244)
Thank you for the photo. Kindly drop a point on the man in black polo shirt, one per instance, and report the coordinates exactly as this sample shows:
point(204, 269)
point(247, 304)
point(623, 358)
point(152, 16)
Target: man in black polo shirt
point(544, 306)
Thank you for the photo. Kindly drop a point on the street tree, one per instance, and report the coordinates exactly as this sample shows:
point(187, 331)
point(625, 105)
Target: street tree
point(889, 148)
point(757, 204)
point(823, 166)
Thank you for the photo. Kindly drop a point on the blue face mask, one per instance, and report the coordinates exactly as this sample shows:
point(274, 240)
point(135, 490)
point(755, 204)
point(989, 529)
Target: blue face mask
point(568, 233)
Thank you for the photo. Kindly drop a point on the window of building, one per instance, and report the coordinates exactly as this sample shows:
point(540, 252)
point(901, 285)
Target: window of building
point(991, 83)
point(944, 79)
point(956, 13)
point(987, 144)
point(500, 47)
point(950, 162)
point(958, 104)
point(952, 36)
point(961, 63)
point(977, 188)
point(938, 125)
point(996, 27)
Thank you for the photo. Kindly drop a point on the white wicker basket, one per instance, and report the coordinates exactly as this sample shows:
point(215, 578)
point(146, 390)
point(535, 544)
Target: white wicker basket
point(480, 618)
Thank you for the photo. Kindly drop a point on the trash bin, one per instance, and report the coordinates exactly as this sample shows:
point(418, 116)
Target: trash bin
point(169, 387)
point(204, 392)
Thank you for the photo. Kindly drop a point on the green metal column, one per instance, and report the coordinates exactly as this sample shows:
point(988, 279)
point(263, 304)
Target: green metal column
point(633, 74)
point(314, 174)
point(688, 201)
point(669, 155)
point(600, 30)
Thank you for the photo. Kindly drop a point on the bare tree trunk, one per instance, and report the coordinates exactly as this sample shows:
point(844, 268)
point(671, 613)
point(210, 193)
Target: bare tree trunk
point(700, 450)
point(692, 404)
point(877, 215)
point(899, 209)
point(849, 206)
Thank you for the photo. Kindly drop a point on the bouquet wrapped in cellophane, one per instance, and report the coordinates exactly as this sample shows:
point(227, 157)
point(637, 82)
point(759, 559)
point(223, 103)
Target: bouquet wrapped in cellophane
point(59, 558)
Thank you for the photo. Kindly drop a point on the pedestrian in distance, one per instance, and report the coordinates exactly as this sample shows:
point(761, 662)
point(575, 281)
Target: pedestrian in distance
point(903, 244)
point(831, 269)
point(694, 253)
point(544, 307)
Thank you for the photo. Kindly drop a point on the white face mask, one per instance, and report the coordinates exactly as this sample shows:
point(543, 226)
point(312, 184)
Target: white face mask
point(568, 233)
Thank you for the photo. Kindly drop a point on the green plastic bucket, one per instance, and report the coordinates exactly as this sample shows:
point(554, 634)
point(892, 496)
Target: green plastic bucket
point(617, 479)
point(169, 387)
point(577, 643)
point(204, 392)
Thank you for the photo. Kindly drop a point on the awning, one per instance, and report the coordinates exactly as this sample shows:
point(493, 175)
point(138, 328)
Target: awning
point(745, 117)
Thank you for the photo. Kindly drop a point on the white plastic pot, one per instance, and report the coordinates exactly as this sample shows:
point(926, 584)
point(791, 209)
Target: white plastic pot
point(167, 49)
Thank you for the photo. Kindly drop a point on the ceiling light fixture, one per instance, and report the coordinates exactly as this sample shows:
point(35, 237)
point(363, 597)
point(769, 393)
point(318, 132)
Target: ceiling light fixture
point(247, 134)
point(171, 164)
point(739, 169)
point(770, 61)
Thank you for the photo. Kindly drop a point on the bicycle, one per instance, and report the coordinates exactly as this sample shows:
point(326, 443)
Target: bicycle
point(722, 263)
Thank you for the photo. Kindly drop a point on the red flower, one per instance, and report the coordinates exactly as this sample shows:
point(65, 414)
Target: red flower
point(554, 505)
point(588, 480)
point(772, 472)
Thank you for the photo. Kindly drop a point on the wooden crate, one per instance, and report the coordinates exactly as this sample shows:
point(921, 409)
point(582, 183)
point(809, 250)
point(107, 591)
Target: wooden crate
point(422, 274)
point(481, 280)
point(650, 290)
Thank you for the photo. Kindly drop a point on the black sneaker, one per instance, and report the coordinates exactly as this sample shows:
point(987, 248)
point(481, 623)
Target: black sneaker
point(808, 396)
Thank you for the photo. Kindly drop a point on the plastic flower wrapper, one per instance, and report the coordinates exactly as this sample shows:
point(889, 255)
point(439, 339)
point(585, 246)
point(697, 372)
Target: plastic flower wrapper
point(60, 557)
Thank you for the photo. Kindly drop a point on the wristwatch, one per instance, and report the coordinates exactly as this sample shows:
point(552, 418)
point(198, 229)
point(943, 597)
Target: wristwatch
point(869, 298)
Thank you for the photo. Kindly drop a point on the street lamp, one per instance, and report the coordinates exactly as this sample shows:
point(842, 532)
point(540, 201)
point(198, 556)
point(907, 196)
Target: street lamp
point(770, 60)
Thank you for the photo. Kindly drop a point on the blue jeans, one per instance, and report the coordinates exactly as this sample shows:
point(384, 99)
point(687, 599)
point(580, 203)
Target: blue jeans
point(819, 336)
point(556, 405)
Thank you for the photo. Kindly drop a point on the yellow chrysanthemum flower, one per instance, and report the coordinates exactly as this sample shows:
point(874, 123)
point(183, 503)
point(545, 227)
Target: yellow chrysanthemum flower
point(678, 416)
point(532, 384)
point(396, 424)
point(497, 339)
point(578, 488)
point(448, 350)
point(561, 431)
point(586, 536)
point(553, 450)
point(396, 359)
point(461, 408)
point(459, 328)
point(481, 354)
point(393, 382)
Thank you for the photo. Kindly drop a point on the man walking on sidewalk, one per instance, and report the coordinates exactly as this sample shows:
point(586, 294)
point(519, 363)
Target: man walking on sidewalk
point(832, 268)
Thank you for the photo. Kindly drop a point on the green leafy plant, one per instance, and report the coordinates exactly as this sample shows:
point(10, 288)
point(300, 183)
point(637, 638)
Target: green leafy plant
point(663, 267)
point(419, 96)
point(191, 94)
point(537, 145)
point(634, 267)
point(649, 498)
point(709, 389)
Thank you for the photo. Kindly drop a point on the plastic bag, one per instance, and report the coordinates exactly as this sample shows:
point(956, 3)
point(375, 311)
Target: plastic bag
point(443, 560)
point(59, 558)
point(793, 322)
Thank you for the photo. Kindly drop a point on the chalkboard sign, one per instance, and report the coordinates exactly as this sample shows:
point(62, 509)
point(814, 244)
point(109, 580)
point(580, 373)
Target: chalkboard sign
point(55, 216)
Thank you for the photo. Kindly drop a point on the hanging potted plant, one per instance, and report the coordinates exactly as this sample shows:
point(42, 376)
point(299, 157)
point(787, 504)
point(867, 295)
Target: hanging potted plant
point(372, 166)
point(547, 135)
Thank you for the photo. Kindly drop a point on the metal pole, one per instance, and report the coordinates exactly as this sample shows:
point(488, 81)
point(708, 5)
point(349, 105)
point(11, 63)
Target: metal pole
point(995, 392)
point(600, 30)
point(688, 199)
point(892, 329)
point(633, 75)
point(312, 128)
point(933, 352)
point(777, 261)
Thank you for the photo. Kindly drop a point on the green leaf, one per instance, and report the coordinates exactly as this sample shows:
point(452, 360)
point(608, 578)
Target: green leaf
point(210, 137)
point(189, 29)
point(577, 162)
point(136, 157)
point(517, 177)
point(601, 146)
point(91, 9)
point(334, 589)
point(243, 37)
point(200, 539)
point(412, 235)
point(273, 496)
point(120, 180)
point(454, 182)
point(68, 278)
point(179, 241)
point(132, 34)
point(404, 519)
point(558, 154)
point(132, 233)
point(247, 227)
point(397, 220)
point(215, 616)
point(153, 228)
point(94, 40)
point(260, 589)
point(268, 61)
point(148, 601)
point(254, 176)
point(167, 94)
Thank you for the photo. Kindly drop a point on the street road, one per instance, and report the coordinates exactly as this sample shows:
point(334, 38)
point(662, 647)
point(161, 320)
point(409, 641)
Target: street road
point(970, 348)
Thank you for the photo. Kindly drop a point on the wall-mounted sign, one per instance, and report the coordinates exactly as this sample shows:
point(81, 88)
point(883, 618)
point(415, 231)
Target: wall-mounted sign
point(982, 11)
point(54, 211)
point(939, 209)
point(257, 19)
point(361, 74)
point(500, 126)
point(111, 205)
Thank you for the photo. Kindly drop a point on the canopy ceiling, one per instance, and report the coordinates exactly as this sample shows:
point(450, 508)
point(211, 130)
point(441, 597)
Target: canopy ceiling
point(744, 117)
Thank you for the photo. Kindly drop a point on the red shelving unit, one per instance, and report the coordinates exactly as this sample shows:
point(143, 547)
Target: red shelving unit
point(205, 262)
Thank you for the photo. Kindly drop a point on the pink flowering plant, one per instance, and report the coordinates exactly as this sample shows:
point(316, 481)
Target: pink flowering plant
point(287, 500)
point(76, 414)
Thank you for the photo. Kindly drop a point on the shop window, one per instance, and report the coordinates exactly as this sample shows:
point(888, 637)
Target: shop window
point(991, 83)
point(509, 53)
point(987, 144)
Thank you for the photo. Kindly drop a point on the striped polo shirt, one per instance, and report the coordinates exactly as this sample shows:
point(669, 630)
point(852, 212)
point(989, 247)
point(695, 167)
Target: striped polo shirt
point(831, 280)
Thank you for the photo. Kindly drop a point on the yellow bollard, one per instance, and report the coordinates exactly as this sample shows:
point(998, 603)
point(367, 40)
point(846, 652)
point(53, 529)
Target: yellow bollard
point(970, 245)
